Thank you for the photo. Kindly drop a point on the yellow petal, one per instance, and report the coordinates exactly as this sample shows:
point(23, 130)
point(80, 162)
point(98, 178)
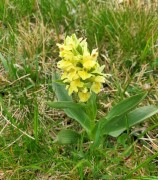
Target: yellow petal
point(72, 89)
point(72, 75)
point(98, 70)
point(88, 64)
point(67, 87)
point(100, 79)
point(94, 54)
point(65, 65)
point(85, 90)
point(96, 87)
point(61, 46)
point(66, 54)
point(64, 75)
point(72, 41)
point(84, 75)
point(84, 96)
point(77, 83)
point(85, 48)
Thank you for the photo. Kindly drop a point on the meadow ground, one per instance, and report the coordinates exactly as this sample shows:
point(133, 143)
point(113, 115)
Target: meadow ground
point(126, 35)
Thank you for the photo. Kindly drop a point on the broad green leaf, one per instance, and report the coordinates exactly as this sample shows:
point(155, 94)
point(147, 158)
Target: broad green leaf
point(119, 124)
point(125, 105)
point(78, 114)
point(64, 105)
point(67, 136)
point(59, 89)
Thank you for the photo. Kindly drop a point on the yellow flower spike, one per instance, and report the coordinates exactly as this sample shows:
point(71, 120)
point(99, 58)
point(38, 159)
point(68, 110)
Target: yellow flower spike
point(96, 87)
point(81, 72)
point(84, 96)
point(84, 75)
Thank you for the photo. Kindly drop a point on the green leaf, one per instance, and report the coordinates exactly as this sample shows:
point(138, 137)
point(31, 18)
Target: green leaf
point(80, 116)
point(64, 105)
point(118, 112)
point(125, 105)
point(59, 89)
point(119, 124)
point(67, 136)
point(79, 113)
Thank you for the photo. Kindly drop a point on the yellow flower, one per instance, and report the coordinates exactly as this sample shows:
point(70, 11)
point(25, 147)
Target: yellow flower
point(96, 87)
point(72, 89)
point(84, 75)
point(88, 64)
point(85, 48)
point(74, 86)
point(72, 41)
point(84, 90)
point(84, 96)
point(65, 65)
point(94, 54)
point(100, 79)
point(64, 75)
point(77, 83)
point(69, 48)
point(67, 55)
point(72, 75)
point(62, 47)
point(98, 70)
point(81, 72)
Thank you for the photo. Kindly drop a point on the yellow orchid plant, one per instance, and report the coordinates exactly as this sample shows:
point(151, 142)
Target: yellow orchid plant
point(82, 75)
point(81, 72)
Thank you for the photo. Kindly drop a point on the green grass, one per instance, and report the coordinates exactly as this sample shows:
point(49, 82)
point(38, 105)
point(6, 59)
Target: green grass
point(127, 40)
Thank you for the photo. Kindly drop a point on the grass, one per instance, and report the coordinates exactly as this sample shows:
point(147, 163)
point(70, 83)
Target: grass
point(126, 36)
